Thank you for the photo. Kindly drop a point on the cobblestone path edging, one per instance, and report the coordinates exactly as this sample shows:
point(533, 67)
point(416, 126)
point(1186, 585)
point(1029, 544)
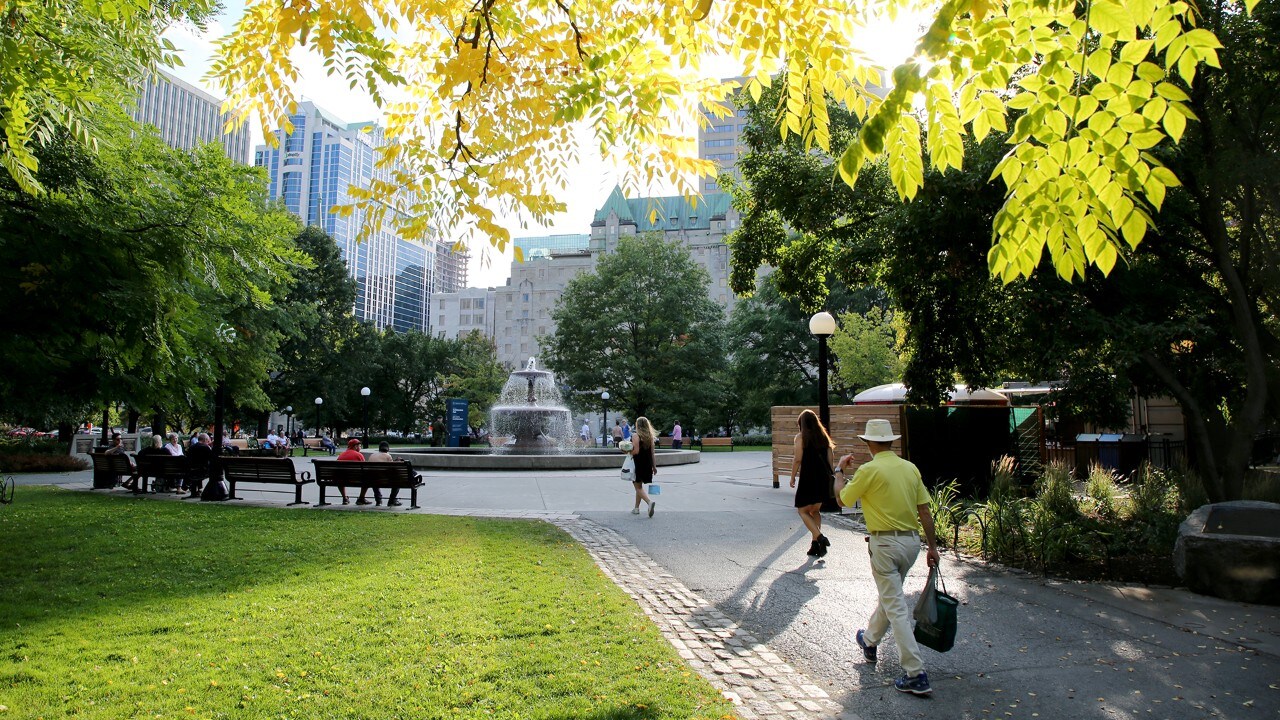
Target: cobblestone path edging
point(748, 673)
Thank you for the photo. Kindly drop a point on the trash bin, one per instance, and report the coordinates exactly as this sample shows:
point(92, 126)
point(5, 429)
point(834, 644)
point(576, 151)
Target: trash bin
point(1086, 452)
point(1133, 452)
point(464, 441)
point(1109, 451)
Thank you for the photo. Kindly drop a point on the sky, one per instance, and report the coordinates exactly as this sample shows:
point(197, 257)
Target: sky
point(593, 180)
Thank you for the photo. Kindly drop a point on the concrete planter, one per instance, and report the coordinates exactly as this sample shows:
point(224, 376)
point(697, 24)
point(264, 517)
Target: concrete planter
point(1231, 550)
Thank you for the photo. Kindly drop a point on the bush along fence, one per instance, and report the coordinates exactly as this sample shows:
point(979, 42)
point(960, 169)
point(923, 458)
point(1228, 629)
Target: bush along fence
point(1105, 529)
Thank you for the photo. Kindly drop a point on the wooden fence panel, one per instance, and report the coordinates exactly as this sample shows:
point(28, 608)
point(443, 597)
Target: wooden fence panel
point(847, 423)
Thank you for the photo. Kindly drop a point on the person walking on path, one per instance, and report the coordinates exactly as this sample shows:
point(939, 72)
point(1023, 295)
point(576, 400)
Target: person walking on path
point(813, 459)
point(642, 452)
point(896, 506)
point(677, 436)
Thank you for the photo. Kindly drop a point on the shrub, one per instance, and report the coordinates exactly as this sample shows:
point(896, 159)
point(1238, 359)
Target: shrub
point(753, 440)
point(1102, 492)
point(948, 512)
point(40, 462)
point(31, 446)
point(1003, 481)
point(1054, 492)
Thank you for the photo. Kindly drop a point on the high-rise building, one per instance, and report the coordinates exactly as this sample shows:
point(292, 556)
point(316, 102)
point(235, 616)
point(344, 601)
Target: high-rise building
point(187, 116)
point(311, 170)
point(720, 140)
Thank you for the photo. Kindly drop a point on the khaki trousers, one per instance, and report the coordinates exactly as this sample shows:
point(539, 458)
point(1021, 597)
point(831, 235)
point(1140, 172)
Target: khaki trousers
point(891, 558)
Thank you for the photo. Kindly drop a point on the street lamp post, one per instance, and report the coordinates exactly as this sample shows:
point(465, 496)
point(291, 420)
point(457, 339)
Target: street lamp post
point(822, 325)
point(364, 392)
point(288, 412)
point(226, 334)
point(604, 423)
point(319, 402)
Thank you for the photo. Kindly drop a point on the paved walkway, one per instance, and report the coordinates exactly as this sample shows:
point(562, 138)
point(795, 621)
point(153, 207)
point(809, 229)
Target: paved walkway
point(721, 570)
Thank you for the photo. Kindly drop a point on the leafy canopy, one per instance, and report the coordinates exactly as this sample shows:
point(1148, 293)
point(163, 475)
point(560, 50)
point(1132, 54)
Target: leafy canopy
point(641, 325)
point(62, 61)
point(481, 99)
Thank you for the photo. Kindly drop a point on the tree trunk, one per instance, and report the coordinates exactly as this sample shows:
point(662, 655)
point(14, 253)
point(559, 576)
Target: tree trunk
point(67, 435)
point(133, 421)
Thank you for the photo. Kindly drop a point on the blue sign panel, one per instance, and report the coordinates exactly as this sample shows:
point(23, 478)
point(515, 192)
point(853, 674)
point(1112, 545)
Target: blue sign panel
point(457, 420)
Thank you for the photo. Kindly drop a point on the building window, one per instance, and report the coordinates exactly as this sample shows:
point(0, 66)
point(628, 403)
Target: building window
point(723, 142)
point(464, 304)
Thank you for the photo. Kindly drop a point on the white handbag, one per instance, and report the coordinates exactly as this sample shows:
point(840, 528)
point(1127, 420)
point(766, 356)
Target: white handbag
point(629, 469)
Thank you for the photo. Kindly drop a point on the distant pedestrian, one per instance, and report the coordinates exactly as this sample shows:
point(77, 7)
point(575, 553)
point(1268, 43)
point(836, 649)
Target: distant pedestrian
point(814, 457)
point(617, 432)
point(584, 434)
point(895, 505)
point(677, 436)
point(643, 453)
point(626, 429)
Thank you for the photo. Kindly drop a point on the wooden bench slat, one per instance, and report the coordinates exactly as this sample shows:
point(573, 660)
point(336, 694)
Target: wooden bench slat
point(161, 467)
point(395, 475)
point(268, 470)
point(108, 467)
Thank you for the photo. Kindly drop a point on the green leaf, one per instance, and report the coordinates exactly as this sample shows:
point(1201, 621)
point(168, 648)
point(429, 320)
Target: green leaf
point(1112, 19)
point(1099, 63)
point(1202, 38)
point(1134, 228)
point(1136, 51)
point(1175, 124)
point(1146, 140)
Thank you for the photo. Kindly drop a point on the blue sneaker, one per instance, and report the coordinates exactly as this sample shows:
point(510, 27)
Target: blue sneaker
point(918, 685)
point(868, 651)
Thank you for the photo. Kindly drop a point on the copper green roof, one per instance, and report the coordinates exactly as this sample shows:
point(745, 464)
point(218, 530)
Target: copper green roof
point(674, 212)
point(617, 203)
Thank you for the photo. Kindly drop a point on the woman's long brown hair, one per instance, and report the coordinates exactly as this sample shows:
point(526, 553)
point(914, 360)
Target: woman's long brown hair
point(812, 434)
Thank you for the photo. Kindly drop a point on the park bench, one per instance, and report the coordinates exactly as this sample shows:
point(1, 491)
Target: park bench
point(309, 444)
point(268, 470)
point(707, 442)
point(260, 449)
point(107, 469)
point(166, 471)
point(394, 475)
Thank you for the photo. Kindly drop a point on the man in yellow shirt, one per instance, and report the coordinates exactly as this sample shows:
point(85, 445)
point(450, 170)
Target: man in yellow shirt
point(896, 506)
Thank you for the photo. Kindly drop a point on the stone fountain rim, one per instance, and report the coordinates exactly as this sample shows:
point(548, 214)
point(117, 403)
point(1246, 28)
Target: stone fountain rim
point(582, 459)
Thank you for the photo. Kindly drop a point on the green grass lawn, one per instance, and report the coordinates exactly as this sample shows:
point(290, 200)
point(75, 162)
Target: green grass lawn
point(115, 607)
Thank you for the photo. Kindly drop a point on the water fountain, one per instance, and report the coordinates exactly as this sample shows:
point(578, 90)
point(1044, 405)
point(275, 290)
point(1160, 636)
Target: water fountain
point(531, 413)
point(531, 429)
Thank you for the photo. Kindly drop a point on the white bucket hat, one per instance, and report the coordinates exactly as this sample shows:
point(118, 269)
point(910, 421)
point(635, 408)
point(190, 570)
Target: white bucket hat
point(879, 431)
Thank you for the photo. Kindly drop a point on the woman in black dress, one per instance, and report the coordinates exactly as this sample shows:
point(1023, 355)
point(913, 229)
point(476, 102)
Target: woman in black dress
point(814, 458)
point(642, 452)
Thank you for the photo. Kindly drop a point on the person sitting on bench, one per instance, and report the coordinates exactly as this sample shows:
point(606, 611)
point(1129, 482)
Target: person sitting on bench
point(382, 455)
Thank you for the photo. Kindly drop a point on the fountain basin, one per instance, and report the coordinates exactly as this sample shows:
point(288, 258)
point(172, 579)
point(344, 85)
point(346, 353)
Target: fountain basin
point(1231, 550)
point(429, 458)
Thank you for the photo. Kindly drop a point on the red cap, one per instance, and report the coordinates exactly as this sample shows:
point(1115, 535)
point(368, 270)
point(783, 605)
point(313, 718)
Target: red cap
point(353, 442)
